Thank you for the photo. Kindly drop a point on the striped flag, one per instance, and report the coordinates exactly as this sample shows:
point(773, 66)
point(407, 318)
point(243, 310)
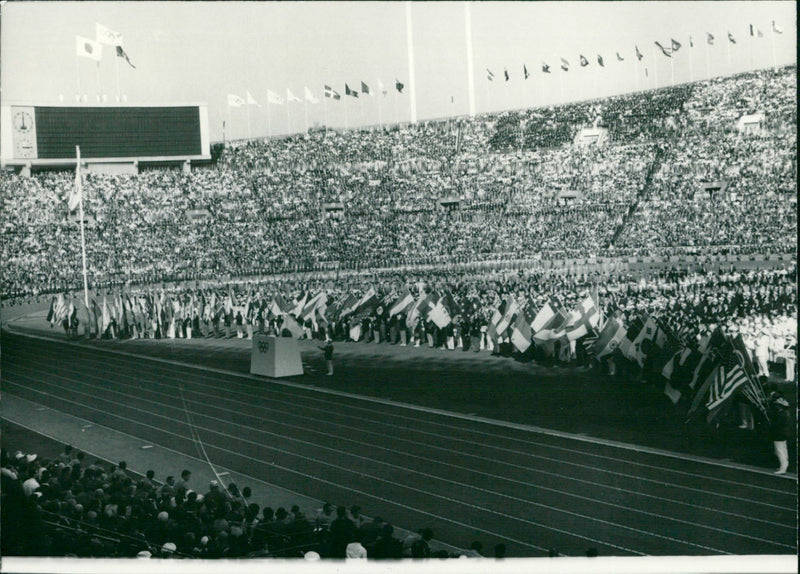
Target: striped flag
point(521, 335)
point(613, 332)
point(544, 316)
point(512, 308)
point(730, 377)
point(331, 93)
point(402, 304)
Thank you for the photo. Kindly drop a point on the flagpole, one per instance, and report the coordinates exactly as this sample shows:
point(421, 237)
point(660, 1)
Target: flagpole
point(325, 111)
point(708, 65)
point(288, 118)
point(345, 111)
point(119, 92)
point(269, 120)
point(78, 71)
point(470, 71)
point(305, 111)
point(655, 68)
point(396, 116)
point(361, 103)
point(99, 88)
point(672, 70)
point(774, 60)
point(412, 84)
point(83, 235)
point(380, 121)
point(691, 62)
point(249, 136)
point(637, 72)
point(729, 54)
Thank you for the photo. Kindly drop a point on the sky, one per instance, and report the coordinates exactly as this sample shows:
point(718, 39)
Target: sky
point(199, 52)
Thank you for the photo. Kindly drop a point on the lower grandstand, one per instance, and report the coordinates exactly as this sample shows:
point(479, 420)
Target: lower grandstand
point(551, 348)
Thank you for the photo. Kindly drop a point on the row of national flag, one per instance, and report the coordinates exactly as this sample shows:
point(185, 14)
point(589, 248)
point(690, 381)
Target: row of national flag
point(667, 50)
point(93, 49)
point(236, 101)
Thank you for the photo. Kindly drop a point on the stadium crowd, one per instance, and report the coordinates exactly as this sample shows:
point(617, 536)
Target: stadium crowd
point(71, 506)
point(437, 192)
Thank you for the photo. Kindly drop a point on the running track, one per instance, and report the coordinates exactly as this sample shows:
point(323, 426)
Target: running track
point(464, 477)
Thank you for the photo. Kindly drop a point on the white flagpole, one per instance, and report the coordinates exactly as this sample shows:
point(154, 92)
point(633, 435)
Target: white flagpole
point(396, 115)
point(288, 118)
point(412, 93)
point(655, 68)
point(708, 65)
point(248, 122)
point(116, 65)
point(672, 70)
point(361, 103)
point(269, 120)
point(345, 112)
point(774, 60)
point(79, 183)
point(99, 88)
point(691, 64)
point(380, 120)
point(470, 71)
point(729, 55)
point(78, 72)
point(325, 111)
point(637, 72)
point(305, 111)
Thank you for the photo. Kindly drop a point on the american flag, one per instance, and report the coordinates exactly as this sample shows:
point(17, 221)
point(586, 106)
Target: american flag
point(730, 376)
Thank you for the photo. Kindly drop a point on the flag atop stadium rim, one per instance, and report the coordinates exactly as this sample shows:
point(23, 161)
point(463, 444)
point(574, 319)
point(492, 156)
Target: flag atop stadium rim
point(665, 51)
point(105, 35)
point(398, 86)
point(349, 92)
point(310, 96)
point(235, 101)
point(273, 98)
point(584, 61)
point(505, 73)
point(731, 38)
point(675, 45)
point(777, 29)
point(639, 55)
point(620, 58)
point(600, 61)
point(121, 54)
point(251, 101)
point(710, 38)
point(331, 93)
point(564, 65)
point(489, 75)
point(365, 89)
point(545, 68)
point(86, 48)
point(525, 71)
point(290, 97)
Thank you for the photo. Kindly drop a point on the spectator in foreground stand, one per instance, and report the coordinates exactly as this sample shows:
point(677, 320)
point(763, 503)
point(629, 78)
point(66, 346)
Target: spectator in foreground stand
point(779, 431)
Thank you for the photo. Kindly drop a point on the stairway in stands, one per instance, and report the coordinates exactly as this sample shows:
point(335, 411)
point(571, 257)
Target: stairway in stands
point(644, 193)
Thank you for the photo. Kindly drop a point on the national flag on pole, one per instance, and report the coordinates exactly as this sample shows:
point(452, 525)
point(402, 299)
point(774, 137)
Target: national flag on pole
point(628, 345)
point(731, 39)
point(274, 98)
point(235, 101)
point(86, 48)
point(664, 50)
point(609, 339)
point(382, 88)
point(729, 377)
point(545, 68)
point(250, 99)
point(349, 92)
point(710, 38)
point(620, 58)
point(584, 61)
point(521, 335)
point(290, 97)
point(544, 316)
point(398, 86)
point(752, 31)
point(691, 42)
point(564, 65)
point(439, 314)
point(310, 97)
point(551, 329)
point(525, 71)
point(512, 308)
point(489, 75)
point(402, 304)
point(331, 93)
point(505, 73)
point(639, 55)
point(600, 61)
point(76, 193)
point(675, 45)
point(777, 29)
point(107, 36)
point(121, 54)
point(365, 89)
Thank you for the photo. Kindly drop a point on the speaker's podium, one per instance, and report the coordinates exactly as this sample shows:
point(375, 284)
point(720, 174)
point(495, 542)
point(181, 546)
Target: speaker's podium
point(275, 356)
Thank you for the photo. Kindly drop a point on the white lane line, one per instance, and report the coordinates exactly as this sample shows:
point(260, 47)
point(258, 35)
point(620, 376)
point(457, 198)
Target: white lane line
point(472, 443)
point(420, 511)
point(377, 478)
point(370, 460)
point(495, 422)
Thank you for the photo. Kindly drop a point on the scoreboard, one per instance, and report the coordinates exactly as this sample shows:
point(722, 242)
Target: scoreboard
point(49, 134)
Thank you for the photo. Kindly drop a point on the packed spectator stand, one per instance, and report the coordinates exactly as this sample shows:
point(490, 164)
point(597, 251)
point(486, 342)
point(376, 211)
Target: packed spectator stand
point(437, 192)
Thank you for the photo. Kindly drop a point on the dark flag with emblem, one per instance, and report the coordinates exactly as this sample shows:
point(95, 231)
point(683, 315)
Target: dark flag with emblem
point(121, 54)
point(600, 60)
point(545, 68)
point(675, 45)
point(664, 50)
point(331, 93)
point(349, 92)
point(398, 86)
point(584, 61)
